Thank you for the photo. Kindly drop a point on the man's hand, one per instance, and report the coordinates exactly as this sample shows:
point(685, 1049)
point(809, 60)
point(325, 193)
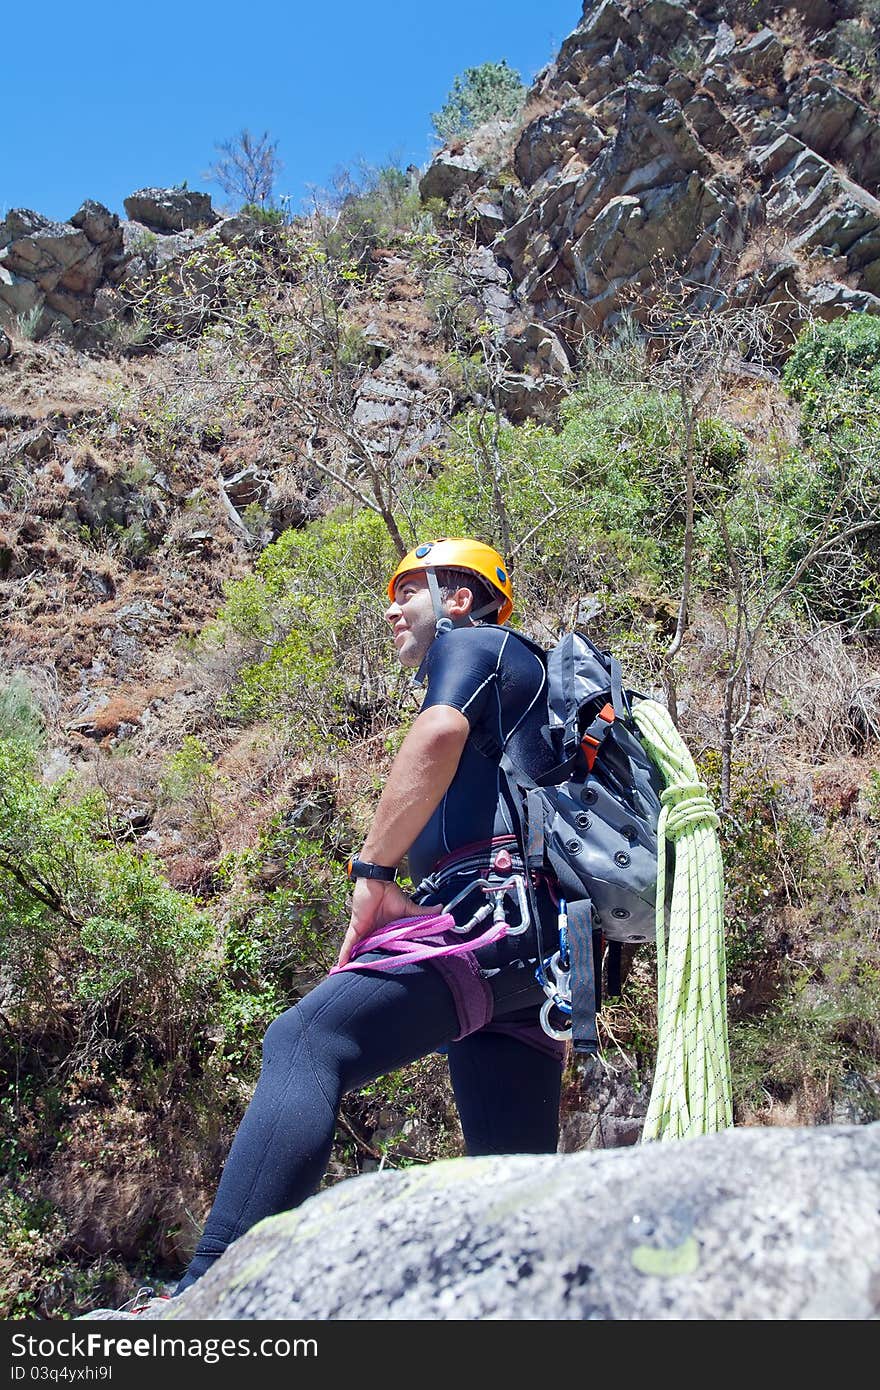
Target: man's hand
point(374, 903)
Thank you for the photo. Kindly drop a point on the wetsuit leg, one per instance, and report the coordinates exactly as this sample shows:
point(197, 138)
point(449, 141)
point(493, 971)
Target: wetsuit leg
point(507, 1094)
point(349, 1030)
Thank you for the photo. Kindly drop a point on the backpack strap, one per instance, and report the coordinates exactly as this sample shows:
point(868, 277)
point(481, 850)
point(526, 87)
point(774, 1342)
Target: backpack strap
point(584, 1034)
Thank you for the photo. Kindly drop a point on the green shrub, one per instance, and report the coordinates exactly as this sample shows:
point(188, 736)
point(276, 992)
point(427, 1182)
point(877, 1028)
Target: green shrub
point(834, 370)
point(191, 780)
point(95, 944)
point(372, 205)
point(313, 610)
point(21, 718)
point(265, 216)
point(480, 94)
point(827, 493)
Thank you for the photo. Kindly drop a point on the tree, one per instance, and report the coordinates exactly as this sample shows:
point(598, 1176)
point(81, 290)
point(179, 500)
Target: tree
point(248, 168)
point(479, 95)
point(800, 532)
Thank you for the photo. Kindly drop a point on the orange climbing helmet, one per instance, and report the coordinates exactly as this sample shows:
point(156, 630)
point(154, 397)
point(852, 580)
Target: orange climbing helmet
point(458, 553)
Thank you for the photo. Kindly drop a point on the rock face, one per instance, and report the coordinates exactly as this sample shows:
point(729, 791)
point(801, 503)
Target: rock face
point(171, 209)
point(58, 275)
point(667, 138)
point(749, 1224)
point(671, 136)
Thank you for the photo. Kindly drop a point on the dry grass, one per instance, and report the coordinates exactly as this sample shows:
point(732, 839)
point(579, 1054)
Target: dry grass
point(820, 691)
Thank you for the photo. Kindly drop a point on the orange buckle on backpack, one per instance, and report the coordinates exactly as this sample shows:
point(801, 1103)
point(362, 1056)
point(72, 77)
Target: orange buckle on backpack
point(590, 745)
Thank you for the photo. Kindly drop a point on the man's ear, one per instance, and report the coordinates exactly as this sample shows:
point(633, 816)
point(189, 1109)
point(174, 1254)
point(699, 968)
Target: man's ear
point(459, 604)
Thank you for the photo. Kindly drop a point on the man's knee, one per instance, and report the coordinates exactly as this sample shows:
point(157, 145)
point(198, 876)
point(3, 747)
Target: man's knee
point(283, 1035)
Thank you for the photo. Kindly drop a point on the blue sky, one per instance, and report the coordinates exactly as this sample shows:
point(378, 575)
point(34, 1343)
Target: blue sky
point(102, 99)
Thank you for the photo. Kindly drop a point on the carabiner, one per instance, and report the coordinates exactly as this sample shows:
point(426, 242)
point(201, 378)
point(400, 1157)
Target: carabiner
point(561, 1034)
point(497, 892)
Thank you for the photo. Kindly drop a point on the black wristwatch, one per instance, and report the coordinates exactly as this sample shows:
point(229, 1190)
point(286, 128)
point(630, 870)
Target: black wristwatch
point(362, 868)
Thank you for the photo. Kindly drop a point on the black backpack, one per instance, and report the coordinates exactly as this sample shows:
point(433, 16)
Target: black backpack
point(591, 822)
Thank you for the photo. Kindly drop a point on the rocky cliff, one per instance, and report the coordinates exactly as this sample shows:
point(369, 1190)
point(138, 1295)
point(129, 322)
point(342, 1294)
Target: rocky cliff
point(663, 136)
point(684, 137)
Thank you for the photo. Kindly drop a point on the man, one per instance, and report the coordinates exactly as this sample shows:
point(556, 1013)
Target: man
point(443, 806)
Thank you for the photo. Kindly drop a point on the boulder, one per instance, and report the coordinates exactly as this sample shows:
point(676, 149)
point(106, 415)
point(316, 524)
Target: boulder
point(246, 487)
point(99, 224)
point(487, 218)
point(50, 253)
point(447, 173)
point(18, 296)
point(537, 349)
point(667, 18)
point(829, 299)
point(171, 209)
point(761, 1224)
point(97, 498)
point(544, 141)
point(759, 57)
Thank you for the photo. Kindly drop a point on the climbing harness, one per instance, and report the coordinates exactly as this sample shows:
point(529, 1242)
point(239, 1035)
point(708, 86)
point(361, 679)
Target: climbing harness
point(497, 892)
point(412, 940)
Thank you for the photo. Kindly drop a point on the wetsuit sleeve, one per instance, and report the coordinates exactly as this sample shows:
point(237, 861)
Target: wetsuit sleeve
point(462, 669)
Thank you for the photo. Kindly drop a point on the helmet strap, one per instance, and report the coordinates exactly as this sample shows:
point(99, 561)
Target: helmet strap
point(442, 619)
point(443, 622)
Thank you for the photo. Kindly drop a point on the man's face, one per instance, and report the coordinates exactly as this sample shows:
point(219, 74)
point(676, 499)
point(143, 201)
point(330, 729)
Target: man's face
point(412, 619)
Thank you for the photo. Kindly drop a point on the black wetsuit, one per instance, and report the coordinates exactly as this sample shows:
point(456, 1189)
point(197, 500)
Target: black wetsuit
point(498, 682)
point(356, 1026)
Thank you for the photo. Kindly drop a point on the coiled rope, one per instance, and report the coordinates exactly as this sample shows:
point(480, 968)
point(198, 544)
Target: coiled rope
point(691, 1094)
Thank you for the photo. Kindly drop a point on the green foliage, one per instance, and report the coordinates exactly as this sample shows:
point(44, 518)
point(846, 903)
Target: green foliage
point(812, 995)
point(834, 370)
point(27, 324)
point(370, 206)
point(480, 94)
point(144, 242)
point(768, 849)
point(263, 216)
point(314, 611)
point(191, 779)
point(21, 718)
point(819, 1042)
point(790, 1048)
point(132, 953)
point(285, 902)
point(827, 493)
point(31, 1232)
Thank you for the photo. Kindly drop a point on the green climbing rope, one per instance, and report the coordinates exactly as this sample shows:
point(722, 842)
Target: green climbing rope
point(691, 1094)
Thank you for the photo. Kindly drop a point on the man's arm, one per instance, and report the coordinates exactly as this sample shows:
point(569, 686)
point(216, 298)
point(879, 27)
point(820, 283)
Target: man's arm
point(419, 777)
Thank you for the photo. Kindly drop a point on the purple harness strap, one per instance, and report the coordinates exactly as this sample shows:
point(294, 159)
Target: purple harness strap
point(424, 939)
point(403, 935)
point(413, 940)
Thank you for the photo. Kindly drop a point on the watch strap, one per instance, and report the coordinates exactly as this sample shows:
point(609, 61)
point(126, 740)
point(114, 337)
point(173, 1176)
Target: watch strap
point(362, 868)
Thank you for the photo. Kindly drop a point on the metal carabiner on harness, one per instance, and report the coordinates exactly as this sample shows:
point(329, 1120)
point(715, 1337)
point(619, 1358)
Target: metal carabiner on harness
point(497, 892)
point(555, 981)
point(554, 977)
